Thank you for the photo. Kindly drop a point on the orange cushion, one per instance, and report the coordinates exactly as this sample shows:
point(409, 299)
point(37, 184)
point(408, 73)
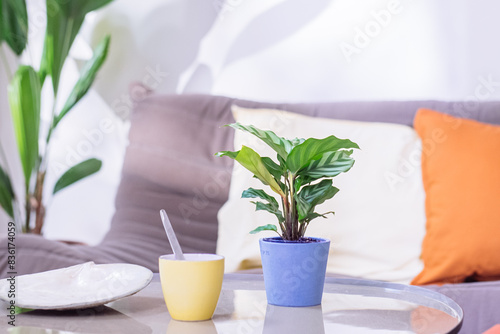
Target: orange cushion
point(493, 330)
point(461, 176)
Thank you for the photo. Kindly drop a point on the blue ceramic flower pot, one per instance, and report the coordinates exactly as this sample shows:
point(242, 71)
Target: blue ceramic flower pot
point(294, 272)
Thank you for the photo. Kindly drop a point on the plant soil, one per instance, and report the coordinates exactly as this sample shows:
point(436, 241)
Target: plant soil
point(302, 240)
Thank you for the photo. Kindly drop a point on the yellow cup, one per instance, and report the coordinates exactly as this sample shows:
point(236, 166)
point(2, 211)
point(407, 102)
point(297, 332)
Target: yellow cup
point(191, 287)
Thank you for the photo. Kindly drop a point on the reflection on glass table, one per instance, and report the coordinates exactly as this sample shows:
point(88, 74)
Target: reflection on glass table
point(349, 306)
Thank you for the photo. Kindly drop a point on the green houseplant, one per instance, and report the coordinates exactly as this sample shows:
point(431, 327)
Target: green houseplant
point(301, 176)
point(64, 20)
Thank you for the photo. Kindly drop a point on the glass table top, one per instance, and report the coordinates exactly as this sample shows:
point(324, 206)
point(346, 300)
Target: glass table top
point(349, 306)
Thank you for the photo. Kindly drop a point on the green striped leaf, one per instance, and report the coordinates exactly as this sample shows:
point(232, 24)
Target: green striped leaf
point(252, 161)
point(313, 195)
point(86, 79)
point(268, 227)
point(24, 100)
point(312, 149)
point(6, 193)
point(329, 165)
point(76, 173)
point(281, 145)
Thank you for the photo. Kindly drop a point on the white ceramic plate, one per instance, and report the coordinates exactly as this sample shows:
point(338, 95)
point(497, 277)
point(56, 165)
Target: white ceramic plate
point(81, 286)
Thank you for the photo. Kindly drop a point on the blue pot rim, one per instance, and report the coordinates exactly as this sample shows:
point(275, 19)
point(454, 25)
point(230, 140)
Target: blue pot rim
point(279, 240)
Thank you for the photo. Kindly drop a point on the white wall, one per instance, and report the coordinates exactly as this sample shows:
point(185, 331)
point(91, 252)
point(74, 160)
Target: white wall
point(291, 50)
point(467, 33)
point(348, 50)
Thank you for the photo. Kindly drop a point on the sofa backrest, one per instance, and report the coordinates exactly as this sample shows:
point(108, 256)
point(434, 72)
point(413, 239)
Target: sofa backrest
point(170, 163)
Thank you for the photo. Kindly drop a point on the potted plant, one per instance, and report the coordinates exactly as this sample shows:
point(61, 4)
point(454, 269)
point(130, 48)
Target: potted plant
point(294, 265)
point(33, 135)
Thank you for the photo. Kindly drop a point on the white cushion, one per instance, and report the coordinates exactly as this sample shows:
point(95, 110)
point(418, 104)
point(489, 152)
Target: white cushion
point(379, 223)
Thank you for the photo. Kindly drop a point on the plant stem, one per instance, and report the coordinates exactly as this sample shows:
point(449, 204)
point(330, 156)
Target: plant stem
point(28, 213)
point(287, 232)
point(303, 228)
point(285, 215)
point(293, 209)
point(40, 208)
point(49, 134)
point(41, 170)
point(282, 227)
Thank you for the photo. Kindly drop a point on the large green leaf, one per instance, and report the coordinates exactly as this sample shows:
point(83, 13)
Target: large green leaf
point(86, 79)
point(6, 193)
point(331, 164)
point(268, 227)
point(24, 99)
point(312, 149)
point(14, 24)
point(252, 161)
point(64, 19)
point(312, 195)
point(77, 172)
point(281, 145)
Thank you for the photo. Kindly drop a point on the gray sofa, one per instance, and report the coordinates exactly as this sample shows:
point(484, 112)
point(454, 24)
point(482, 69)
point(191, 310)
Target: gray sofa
point(170, 164)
